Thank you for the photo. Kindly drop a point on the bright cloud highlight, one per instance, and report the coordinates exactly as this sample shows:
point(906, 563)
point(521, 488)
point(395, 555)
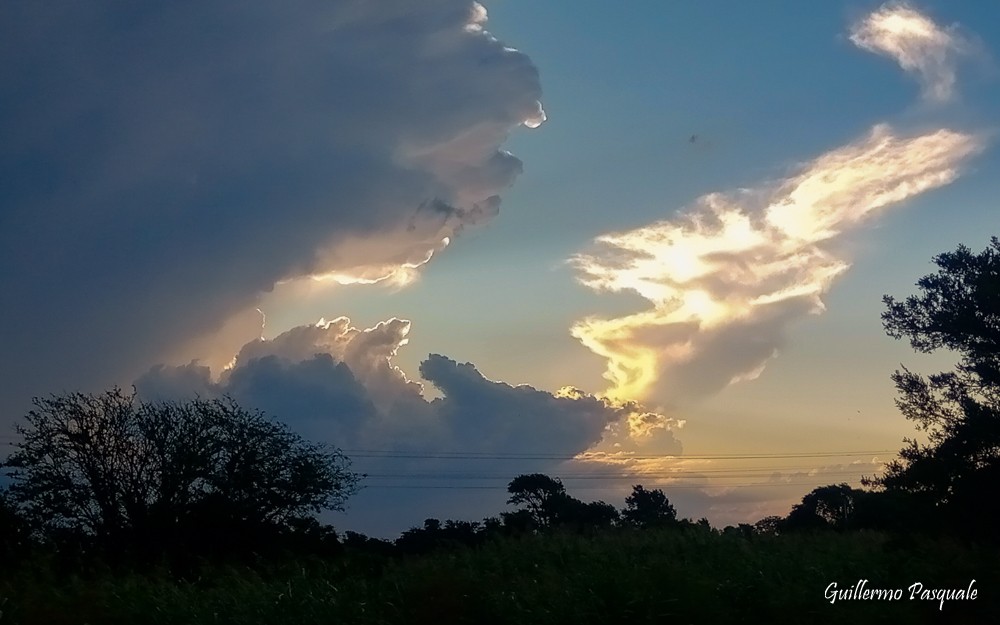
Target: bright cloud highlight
point(920, 46)
point(163, 168)
point(335, 382)
point(725, 279)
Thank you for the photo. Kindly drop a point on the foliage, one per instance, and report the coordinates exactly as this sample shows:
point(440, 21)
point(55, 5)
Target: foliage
point(672, 575)
point(768, 526)
point(467, 572)
point(829, 506)
point(536, 491)
point(15, 532)
point(648, 508)
point(959, 310)
point(547, 505)
point(433, 535)
point(128, 474)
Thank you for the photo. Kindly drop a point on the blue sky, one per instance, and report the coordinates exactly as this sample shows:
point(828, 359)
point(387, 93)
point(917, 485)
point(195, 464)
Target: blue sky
point(625, 90)
point(649, 108)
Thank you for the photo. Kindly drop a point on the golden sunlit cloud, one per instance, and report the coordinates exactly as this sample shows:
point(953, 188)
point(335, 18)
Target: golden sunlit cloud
point(398, 274)
point(725, 279)
point(918, 44)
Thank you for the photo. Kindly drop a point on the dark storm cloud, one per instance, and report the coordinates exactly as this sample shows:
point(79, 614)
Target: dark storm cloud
point(163, 165)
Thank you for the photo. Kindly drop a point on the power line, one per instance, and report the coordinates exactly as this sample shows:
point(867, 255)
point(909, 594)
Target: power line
point(684, 486)
point(631, 476)
point(389, 454)
point(493, 455)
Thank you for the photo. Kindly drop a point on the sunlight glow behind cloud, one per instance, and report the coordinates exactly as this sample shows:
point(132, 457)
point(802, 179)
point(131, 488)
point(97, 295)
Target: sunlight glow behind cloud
point(335, 382)
point(200, 153)
point(726, 277)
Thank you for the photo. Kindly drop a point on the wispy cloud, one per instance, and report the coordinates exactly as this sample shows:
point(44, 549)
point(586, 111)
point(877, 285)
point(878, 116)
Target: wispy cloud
point(920, 46)
point(726, 279)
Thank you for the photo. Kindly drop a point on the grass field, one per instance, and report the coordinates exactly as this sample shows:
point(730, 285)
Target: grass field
point(666, 576)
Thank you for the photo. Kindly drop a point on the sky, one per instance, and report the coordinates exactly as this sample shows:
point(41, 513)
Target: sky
point(463, 242)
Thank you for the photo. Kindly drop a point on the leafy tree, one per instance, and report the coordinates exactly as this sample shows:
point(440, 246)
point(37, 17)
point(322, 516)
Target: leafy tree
point(830, 506)
point(492, 526)
point(133, 474)
point(600, 514)
point(564, 510)
point(433, 535)
point(519, 522)
point(359, 543)
point(743, 530)
point(537, 492)
point(648, 508)
point(894, 511)
point(547, 504)
point(768, 526)
point(958, 309)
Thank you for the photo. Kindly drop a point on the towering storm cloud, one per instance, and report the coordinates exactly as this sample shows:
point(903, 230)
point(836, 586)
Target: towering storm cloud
point(164, 165)
point(726, 278)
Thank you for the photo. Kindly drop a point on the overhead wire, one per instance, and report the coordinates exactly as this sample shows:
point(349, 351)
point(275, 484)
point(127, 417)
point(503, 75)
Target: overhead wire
point(392, 454)
point(609, 488)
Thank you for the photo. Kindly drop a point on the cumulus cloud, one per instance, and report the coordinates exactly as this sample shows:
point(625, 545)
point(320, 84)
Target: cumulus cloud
point(913, 40)
point(334, 382)
point(331, 373)
point(165, 166)
point(727, 278)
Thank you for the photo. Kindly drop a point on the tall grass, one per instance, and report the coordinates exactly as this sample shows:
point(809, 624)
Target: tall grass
point(663, 577)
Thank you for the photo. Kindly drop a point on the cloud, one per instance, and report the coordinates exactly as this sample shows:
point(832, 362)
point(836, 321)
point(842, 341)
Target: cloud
point(726, 279)
point(334, 382)
point(920, 46)
point(333, 372)
point(163, 167)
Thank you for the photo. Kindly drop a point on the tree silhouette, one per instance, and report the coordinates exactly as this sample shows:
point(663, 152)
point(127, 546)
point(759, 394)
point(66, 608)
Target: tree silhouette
point(768, 526)
point(743, 530)
point(136, 475)
point(537, 491)
point(547, 504)
point(958, 309)
point(648, 508)
point(435, 535)
point(600, 514)
point(830, 506)
point(563, 510)
point(519, 522)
